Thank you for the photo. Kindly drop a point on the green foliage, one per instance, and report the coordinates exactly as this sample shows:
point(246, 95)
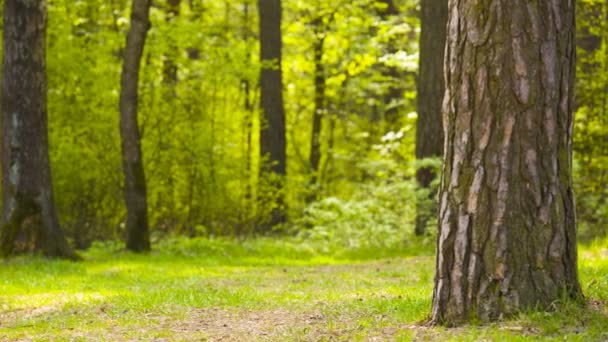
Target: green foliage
point(84, 74)
point(591, 130)
point(199, 115)
point(358, 223)
point(379, 209)
point(200, 122)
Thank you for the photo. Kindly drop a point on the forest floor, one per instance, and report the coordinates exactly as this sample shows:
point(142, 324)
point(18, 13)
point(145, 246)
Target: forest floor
point(259, 291)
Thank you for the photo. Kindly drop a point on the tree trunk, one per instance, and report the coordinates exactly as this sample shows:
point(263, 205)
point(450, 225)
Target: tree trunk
point(138, 239)
point(429, 130)
point(393, 97)
point(390, 9)
point(272, 134)
point(319, 107)
point(507, 225)
point(169, 66)
point(29, 220)
point(249, 108)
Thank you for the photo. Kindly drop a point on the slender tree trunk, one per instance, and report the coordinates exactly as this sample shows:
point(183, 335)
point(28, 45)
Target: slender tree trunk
point(29, 218)
point(319, 108)
point(326, 170)
point(272, 135)
point(390, 9)
point(169, 96)
point(138, 239)
point(248, 106)
point(507, 226)
point(429, 130)
point(394, 93)
point(169, 65)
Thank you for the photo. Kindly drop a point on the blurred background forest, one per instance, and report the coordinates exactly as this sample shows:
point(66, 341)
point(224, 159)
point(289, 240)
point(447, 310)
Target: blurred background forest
point(350, 71)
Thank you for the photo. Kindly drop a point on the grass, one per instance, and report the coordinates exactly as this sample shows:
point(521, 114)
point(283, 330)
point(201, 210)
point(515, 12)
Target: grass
point(262, 290)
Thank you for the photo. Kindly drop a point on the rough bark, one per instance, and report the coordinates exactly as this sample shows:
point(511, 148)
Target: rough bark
point(272, 135)
point(507, 226)
point(138, 239)
point(29, 220)
point(429, 130)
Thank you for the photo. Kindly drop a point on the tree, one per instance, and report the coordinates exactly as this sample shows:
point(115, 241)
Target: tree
point(249, 110)
point(429, 130)
point(169, 66)
point(138, 238)
point(393, 97)
point(29, 221)
point(507, 228)
point(272, 134)
point(320, 81)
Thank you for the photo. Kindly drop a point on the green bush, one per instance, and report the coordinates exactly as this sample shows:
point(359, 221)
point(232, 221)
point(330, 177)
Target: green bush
point(380, 214)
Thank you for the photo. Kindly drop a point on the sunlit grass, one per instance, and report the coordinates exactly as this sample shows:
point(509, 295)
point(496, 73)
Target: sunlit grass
point(262, 290)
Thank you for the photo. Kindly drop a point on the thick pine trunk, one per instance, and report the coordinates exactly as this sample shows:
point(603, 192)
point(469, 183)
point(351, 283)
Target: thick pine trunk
point(138, 239)
point(507, 226)
point(273, 141)
point(429, 130)
point(29, 221)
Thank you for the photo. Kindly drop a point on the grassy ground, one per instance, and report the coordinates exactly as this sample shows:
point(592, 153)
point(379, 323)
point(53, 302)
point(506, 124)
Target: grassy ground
point(262, 290)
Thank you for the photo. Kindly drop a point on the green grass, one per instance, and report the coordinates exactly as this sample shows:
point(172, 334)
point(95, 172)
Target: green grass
point(262, 290)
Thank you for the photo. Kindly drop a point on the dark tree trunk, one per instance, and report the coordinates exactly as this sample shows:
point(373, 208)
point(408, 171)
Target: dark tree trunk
point(29, 220)
point(319, 107)
point(169, 65)
point(249, 107)
point(272, 135)
point(429, 130)
point(138, 239)
point(390, 9)
point(507, 228)
point(394, 92)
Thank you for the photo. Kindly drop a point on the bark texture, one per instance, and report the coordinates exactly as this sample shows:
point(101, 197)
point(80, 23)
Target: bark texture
point(138, 239)
point(507, 222)
point(273, 142)
point(429, 130)
point(29, 220)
